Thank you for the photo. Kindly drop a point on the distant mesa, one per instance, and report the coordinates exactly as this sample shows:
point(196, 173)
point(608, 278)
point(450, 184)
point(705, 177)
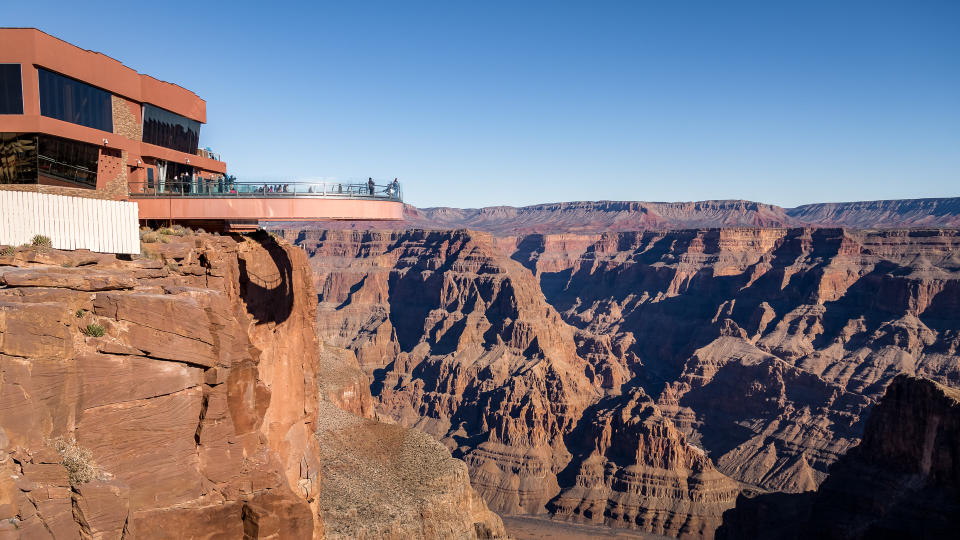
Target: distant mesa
point(591, 217)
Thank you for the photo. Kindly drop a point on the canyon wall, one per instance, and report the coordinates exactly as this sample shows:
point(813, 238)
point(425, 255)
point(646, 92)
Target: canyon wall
point(597, 217)
point(183, 394)
point(640, 379)
point(900, 482)
point(164, 384)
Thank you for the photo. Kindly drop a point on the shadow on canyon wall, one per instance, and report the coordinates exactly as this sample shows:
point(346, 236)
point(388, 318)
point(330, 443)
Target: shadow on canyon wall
point(266, 283)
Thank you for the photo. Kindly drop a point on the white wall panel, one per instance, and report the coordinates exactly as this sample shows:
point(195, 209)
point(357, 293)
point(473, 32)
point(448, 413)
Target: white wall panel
point(70, 222)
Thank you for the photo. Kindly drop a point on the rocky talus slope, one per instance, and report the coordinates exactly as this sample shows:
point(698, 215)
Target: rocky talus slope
point(902, 481)
point(183, 395)
point(640, 379)
point(385, 481)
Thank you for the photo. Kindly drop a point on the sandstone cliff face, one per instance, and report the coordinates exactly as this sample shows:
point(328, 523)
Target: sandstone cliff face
point(635, 469)
point(901, 481)
point(764, 347)
point(187, 403)
point(206, 409)
point(460, 342)
point(767, 346)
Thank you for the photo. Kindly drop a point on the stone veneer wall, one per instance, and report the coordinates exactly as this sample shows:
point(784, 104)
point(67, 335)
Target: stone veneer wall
point(126, 118)
point(112, 173)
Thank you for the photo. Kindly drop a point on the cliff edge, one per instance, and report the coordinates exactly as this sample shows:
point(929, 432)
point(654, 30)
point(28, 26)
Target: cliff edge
point(183, 394)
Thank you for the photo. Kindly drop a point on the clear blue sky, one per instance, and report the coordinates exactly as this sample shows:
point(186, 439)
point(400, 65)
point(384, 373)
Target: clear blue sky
point(519, 102)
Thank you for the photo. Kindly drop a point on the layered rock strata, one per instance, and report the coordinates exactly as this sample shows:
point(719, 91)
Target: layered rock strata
point(901, 481)
point(764, 347)
point(639, 471)
point(183, 394)
point(459, 342)
point(192, 409)
point(597, 217)
point(767, 346)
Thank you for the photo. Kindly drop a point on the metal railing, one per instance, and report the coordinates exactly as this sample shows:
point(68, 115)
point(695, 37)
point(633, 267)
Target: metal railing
point(66, 171)
point(222, 188)
point(207, 153)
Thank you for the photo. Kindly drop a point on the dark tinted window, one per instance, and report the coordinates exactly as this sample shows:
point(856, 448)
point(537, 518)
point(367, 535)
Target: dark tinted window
point(66, 162)
point(18, 158)
point(72, 101)
point(170, 130)
point(11, 89)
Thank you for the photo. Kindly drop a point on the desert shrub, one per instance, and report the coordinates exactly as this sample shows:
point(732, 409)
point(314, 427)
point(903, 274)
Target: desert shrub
point(201, 231)
point(40, 240)
point(7, 251)
point(77, 460)
point(180, 230)
point(149, 238)
point(80, 313)
point(94, 330)
point(165, 231)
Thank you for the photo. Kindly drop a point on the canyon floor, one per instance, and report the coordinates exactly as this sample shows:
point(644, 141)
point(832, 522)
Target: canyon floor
point(535, 528)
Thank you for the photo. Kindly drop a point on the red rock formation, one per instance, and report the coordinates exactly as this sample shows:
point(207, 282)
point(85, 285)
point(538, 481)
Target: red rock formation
point(767, 346)
point(595, 217)
point(764, 347)
point(184, 403)
point(460, 343)
point(638, 471)
point(206, 409)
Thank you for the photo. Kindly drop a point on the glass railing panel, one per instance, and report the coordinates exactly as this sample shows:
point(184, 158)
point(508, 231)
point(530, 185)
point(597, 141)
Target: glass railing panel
point(204, 187)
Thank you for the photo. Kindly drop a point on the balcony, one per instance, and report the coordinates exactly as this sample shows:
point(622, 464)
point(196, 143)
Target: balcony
point(209, 154)
point(203, 199)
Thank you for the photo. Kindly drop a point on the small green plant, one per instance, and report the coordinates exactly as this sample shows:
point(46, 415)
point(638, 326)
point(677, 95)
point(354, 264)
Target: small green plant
point(7, 251)
point(77, 460)
point(149, 238)
point(94, 330)
point(80, 313)
point(165, 231)
point(180, 230)
point(40, 240)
